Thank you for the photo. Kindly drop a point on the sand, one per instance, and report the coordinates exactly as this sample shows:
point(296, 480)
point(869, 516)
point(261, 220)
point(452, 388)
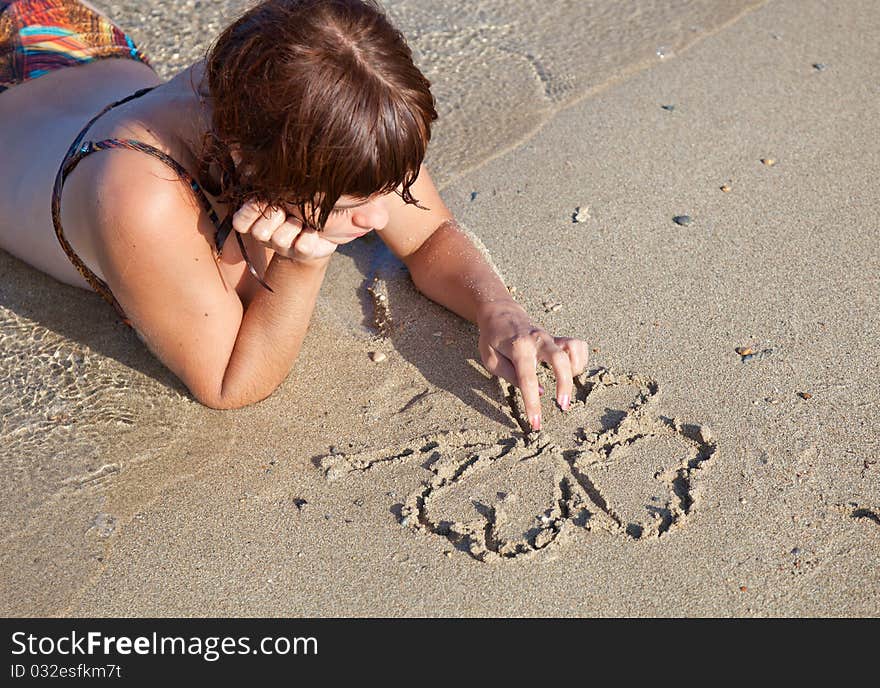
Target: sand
point(687, 479)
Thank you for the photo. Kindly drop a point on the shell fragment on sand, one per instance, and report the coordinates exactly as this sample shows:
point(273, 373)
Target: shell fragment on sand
point(377, 356)
point(747, 353)
point(581, 214)
point(683, 220)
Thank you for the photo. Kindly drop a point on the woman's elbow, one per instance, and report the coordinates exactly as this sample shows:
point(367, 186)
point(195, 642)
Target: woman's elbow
point(229, 400)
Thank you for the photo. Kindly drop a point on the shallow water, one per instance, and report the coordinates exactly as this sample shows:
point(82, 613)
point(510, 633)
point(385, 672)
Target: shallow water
point(82, 402)
point(498, 67)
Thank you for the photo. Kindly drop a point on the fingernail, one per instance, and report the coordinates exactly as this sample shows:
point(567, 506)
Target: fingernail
point(564, 402)
point(536, 421)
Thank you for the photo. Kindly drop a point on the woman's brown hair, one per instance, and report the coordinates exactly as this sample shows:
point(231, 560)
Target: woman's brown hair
point(319, 98)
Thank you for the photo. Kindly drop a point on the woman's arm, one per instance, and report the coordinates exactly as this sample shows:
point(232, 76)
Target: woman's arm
point(462, 281)
point(272, 331)
point(155, 250)
point(448, 268)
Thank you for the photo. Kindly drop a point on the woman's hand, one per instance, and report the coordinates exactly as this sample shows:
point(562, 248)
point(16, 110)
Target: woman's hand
point(281, 232)
point(511, 347)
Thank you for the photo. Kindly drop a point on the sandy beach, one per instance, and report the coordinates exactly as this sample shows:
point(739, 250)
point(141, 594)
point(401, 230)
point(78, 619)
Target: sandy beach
point(722, 457)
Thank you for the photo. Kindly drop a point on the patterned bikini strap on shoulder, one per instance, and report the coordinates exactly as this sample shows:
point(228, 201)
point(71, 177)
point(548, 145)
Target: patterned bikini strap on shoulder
point(222, 229)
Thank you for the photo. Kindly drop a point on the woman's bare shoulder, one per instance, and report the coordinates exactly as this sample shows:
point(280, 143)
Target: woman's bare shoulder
point(154, 244)
point(140, 197)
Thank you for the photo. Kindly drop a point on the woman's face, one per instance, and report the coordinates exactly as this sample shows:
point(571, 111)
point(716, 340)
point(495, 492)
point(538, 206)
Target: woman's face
point(353, 217)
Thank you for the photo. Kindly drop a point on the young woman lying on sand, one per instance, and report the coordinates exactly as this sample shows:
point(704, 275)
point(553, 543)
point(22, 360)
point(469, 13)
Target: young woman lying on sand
point(305, 128)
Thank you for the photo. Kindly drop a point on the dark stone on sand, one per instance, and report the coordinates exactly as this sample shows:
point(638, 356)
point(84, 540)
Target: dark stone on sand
point(820, 66)
point(668, 108)
point(683, 220)
point(474, 195)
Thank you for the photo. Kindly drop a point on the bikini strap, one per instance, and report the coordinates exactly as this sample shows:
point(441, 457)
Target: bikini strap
point(74, 154)
point(80, 150)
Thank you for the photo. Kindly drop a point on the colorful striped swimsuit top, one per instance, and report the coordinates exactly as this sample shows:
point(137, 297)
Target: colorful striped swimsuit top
point(42, 36)
point(80, 149)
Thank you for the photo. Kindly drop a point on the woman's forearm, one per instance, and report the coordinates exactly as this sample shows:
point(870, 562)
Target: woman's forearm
point(272, 331)
point(450, 270)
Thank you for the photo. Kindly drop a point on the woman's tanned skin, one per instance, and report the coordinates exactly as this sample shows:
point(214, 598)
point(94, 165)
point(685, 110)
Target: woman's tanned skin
point(230, 341)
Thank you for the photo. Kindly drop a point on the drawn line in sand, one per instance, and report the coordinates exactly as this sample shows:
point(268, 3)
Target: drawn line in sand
point(868, 514)
point(857, 512)
point(609, 464)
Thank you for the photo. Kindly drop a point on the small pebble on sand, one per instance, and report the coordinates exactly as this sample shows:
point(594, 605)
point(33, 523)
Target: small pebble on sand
point(668, 108)
point(769, 162)
point(552, 307)
point(749, 353)
point(683, 220)
point(377, 356)
point(820, 66)
point(725, 188)
point(805, 395)
point(511, 289)
point(581, 214)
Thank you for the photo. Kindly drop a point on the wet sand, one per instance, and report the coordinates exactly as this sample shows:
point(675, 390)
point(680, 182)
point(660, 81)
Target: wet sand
point(687, 479)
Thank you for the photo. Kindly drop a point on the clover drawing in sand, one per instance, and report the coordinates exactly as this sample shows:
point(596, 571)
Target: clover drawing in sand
point(611, 463)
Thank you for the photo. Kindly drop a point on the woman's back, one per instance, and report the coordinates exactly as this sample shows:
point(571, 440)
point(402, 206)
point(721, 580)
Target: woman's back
point(41, 118)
